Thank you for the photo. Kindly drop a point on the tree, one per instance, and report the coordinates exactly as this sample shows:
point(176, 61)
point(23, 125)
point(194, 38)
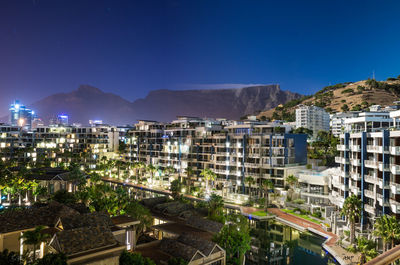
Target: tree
point(128, 258)
point(215, 208)
point(34, 238)
point(292, 181)
point(63, 196)
point(9, 258)
point(177, 261)
point(367, 248)
point(140, 213)
point(176, 187)
point(152, 169)
point(345, 108)
point(76, 176)
point(250, 180)
point(352, 210)
point(189, 174)
point(266, 185)
point(52, 259)
point(302, 130)
point(208, 175)
point(388, 228)
point(235, 239)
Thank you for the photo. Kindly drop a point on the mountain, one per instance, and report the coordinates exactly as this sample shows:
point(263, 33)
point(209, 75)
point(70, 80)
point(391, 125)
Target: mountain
point(88, 102)
point(342, 97)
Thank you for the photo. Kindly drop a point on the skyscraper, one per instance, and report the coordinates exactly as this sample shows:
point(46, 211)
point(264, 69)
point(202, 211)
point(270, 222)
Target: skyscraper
point(21, 115)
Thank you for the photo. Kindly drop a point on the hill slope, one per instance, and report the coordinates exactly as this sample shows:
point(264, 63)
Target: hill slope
point(88, 102)
point(341, 97)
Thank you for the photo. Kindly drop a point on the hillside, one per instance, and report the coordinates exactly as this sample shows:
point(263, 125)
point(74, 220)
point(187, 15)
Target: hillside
point(342, 97)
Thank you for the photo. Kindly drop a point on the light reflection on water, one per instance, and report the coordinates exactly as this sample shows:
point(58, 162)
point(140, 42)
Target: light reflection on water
point(282, 245)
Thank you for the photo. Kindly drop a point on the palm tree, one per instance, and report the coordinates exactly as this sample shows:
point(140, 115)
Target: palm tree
point(388, 228)
point(152, 169)
point(215, 205)
point(34, 238)
point(266, 185)
point(208, 175)
point(367, 248)
point(250, 180)
point(189, 173)
point(291, 180)
point(352, 210)
point(168, 171)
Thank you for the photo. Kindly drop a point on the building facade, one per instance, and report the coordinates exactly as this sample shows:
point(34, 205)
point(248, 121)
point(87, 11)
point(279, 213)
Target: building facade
point(233, 151)
point(313, 118)
point(20, 115)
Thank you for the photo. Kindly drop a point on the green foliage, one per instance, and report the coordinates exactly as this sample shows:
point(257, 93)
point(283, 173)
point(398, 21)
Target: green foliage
point(391, 79)
point(317, 214)
point(128, 258)
point(34, 238)
point(348, 91)
point(345, 107)
point(216, 208)
point(324, 148)
point(302, 130)
point(9, 258)
point(308, 166)
point(352, 210)
point(176, 187)
point(360, 89)
point(140, 213)
point(63, 196)
point(388, 228)
point(343, 101)
point(52, 259)
point(356, 107)
point(177, 261)
point(234, 238)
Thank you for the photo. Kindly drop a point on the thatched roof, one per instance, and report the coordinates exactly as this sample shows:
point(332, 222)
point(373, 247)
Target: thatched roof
point(83, 239)
point(205, 246)
point(177, 249)
point(29, 218)
point(204, 224)
point(95, 219)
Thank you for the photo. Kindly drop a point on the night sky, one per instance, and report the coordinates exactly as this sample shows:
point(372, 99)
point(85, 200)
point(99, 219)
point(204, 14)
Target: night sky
point(132, 47)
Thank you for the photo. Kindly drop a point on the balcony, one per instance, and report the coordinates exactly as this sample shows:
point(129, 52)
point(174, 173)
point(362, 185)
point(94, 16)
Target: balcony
point(342, 147)
point(395, 188)
point(355, 162)
point(381, 200)
point(340, 160)
point(383, 167)
point(369, 193)
point(395, 169)
point(369, 209)
point(355, 176)
point(371, 163)
point(384, 184)
point(355, 190)
point(374, 148)
point(394, 206)
point(395, 150)
point(371, 178)
point(355, 148)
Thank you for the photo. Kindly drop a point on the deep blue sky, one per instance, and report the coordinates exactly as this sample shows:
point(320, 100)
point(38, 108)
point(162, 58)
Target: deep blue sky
point(132, 47)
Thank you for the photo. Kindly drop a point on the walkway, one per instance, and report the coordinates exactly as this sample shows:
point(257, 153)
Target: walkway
point(340, 254)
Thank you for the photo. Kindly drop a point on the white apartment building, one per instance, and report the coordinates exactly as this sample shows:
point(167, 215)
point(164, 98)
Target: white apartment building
point(313, 118)
point(369, 162)
point(337, 121)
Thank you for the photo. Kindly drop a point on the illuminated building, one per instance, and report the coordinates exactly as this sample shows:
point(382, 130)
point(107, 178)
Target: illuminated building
point(20, 115)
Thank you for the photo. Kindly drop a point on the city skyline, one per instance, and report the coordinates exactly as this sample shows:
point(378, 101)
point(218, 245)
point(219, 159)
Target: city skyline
point(131, 48)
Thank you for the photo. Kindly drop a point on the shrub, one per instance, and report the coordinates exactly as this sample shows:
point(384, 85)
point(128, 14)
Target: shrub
point(347, 91)
point(345, 108)
point(343, 101)
point(391, 79)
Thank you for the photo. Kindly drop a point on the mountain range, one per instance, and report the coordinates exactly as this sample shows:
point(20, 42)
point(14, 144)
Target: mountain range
point(88, 102)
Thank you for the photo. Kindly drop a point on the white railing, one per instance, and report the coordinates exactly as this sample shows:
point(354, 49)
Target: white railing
point(355, 148)
point(369, 193)
point(371, 163)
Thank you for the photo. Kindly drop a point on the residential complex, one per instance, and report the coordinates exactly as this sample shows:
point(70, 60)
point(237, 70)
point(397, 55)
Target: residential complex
point(232, 150)
point(312, 117)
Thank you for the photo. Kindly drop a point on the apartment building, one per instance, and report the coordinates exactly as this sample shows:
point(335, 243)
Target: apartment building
point(337, 121)
point(370, 168)
point(313, 118)
point(58, 144)
point(233, 151)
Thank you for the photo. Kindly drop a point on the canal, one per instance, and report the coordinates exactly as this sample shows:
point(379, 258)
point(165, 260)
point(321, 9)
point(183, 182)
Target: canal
point(278, 244)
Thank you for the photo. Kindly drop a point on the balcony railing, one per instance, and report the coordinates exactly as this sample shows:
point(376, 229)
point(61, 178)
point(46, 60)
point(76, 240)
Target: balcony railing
point(355, 162)
point(395, 169)
point(371, 163)
point(342, 147)
point(355, 148)
point(371, 178)
point(395, 150)
point(369, 193)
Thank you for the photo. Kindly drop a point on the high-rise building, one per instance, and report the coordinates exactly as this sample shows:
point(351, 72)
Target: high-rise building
point(20, 115)
point(313, 118)
point(369, 160)
point(337, 121)
point(62, 119)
